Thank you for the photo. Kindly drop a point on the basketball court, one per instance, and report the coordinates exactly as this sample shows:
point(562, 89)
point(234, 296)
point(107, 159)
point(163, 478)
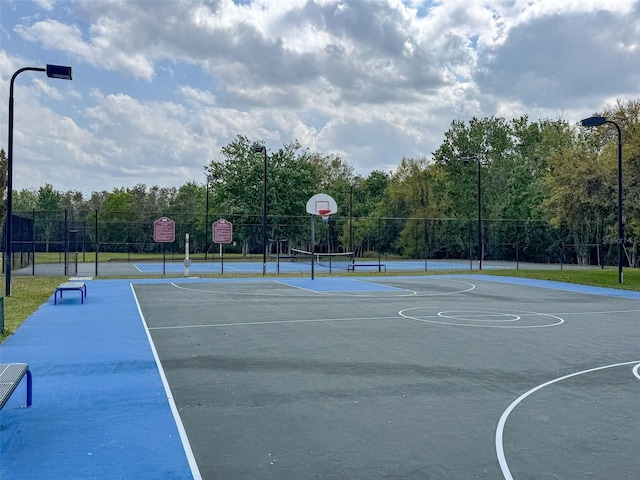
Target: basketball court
point(436, 377)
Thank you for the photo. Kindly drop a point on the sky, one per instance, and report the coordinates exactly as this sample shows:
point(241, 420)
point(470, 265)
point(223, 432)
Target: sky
point(159, 87)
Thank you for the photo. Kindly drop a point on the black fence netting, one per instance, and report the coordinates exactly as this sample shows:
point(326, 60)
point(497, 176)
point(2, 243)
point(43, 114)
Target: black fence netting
point(78, 236)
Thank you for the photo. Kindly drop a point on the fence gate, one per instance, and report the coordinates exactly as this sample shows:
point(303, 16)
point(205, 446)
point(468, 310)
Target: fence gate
point(71, 253)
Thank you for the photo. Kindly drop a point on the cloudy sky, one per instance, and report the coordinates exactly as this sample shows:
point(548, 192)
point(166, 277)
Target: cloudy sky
point(160, 86)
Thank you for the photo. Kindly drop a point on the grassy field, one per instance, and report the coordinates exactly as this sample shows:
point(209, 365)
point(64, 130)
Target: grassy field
point(28, 293)
point(596, 277)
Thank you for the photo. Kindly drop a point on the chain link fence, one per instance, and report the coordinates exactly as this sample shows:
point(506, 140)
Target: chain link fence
point(68, 237)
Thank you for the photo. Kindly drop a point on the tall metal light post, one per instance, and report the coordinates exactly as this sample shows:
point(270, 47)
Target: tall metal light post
point(52, 71)
point(466, 161)
point(263, 149)
point(595, 122)
point(351, 187)
point(207, 229)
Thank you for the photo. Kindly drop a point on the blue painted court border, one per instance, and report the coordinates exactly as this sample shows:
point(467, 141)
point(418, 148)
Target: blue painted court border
point(566, 287)
point(100, 407)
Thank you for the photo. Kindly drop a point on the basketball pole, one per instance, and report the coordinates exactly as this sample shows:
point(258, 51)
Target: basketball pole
point(323, 205)
point(313, 243)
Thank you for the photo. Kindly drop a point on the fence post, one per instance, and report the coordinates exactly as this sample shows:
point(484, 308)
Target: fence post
point(66, 243)
point(97, 247)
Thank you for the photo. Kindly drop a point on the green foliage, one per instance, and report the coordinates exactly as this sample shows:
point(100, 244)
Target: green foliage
point(531, 173)
point(48, 198)
point(25, 200)
point(293, 176)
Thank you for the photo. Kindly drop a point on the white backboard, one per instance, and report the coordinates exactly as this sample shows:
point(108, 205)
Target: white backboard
point(321, 201)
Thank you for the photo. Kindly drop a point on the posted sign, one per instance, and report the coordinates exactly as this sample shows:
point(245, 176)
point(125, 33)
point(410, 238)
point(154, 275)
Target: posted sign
point(222, 231)
point(164, 230)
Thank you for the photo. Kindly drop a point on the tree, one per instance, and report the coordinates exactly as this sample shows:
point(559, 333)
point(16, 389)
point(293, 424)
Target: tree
point(49, 222)
point(237, 188)
point(627, 116)
point(115, 220)
point(25, 200)
point(188, 206)
point(368, 194)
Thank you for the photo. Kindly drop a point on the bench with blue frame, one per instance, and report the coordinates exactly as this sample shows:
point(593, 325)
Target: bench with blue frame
point(80, 286)
point(11, 374)
point(380, 266)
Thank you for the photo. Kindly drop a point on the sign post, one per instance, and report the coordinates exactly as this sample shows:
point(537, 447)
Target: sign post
point(222, 232)
point(164, 231)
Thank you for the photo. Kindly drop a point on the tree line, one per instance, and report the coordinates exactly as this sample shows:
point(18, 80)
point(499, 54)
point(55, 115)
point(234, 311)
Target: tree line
point(546, 172)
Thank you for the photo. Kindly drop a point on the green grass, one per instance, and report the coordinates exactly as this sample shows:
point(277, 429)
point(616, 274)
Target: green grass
point(596, 277)
point(29, 293)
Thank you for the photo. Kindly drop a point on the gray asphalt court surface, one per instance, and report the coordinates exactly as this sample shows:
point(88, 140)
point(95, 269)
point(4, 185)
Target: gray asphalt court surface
point(443, 377)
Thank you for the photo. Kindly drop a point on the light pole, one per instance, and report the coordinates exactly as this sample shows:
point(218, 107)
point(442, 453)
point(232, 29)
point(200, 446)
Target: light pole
point(207, 229)
point(466, 161)
point(595, 122)
point(53, 71)
point(356, 184)
point(263, 149)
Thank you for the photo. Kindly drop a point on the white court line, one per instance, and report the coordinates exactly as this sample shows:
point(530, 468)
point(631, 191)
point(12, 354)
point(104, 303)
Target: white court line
point(227, 292)
point(231, 267)
point(136, 267)
point(410, 294)
point(598, 313)
point(314, 293)
point(296, 286)
point(191, 459)
point(471, 286)
point(355, 294)
point(503, 419)
point(273, 322)
point(480, 317)
point(425, 318)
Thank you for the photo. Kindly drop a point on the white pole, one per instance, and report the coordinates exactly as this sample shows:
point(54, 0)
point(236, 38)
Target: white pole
point(187, 261)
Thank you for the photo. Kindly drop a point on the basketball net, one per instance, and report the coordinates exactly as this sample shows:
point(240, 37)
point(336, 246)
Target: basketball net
point(325, 215)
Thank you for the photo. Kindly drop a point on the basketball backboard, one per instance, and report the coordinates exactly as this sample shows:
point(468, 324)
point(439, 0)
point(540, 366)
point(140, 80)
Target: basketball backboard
point(321, 202)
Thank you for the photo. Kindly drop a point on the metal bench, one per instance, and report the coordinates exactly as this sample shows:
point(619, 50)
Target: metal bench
point(11, 375)
point(81, 286)
point(352, 266)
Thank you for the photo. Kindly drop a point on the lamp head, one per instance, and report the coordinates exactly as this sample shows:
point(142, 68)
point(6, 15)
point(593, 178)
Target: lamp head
point(59, 71)
point(593, 121)
point(465, 160)
point(259, 148)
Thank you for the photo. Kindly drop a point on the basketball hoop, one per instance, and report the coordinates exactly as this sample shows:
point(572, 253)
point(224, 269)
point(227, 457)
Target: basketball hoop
point(324, 213)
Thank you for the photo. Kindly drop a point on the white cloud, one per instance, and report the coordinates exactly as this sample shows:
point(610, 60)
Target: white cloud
point(46, 4)
point(160, 87)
